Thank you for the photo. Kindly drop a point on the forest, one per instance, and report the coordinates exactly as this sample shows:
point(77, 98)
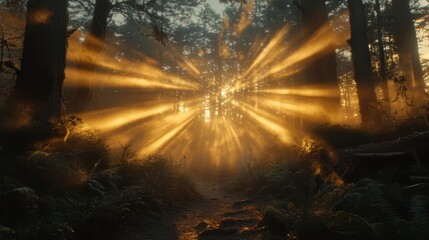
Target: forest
point(214, 119)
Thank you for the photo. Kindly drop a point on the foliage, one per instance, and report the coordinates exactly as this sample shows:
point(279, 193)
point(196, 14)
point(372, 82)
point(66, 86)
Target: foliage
point(306, 204)
point(147, 187)
point(11, 36)
point(78, 192)
point(275, 219)
point(149, 16)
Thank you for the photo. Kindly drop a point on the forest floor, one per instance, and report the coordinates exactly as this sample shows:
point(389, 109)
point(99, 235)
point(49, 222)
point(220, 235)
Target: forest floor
point(348, 186)
point(221, 214)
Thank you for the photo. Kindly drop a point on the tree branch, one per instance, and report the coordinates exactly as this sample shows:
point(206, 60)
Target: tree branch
point(299, 5)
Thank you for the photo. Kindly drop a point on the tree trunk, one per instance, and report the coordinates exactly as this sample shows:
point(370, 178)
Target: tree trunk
point(41, 78)
point(323, 70)
point(362, 65)
point(382, 58)
point(99, 19)
point(406, 41)
point(92, 45)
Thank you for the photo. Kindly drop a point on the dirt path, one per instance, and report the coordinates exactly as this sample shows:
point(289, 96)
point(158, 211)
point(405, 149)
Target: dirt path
point(221, 215)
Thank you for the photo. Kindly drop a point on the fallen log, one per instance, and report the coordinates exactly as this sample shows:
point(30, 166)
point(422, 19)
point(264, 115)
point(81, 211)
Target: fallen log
point(419, 179)
point(400, 145)
point(419, 188)
point(403, 156)
point(372, 154)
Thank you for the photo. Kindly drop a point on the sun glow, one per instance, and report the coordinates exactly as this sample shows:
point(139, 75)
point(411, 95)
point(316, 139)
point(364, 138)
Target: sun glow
point(41, 16)
point(196, 117)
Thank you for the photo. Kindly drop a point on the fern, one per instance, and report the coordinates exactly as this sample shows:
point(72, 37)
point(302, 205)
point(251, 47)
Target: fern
point(419, 209)
point(355, 226)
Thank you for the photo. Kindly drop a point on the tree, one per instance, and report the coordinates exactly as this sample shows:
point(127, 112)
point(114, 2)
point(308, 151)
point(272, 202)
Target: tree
point(40, 80)
point(134, 11)
point(15, 6)
point(407, 45)
point(314, 16)
point(382, 55)
point(96, 35)
point(362, 64)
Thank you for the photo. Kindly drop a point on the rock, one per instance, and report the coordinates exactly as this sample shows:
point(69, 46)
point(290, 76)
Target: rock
point(242, 212)
point(95, 187)
point(365, 182)
point(304, 181)
point(292, 194)
point(218, 234)
point(349, 202)
point(6, 233)
point(228, 223)
point(202, 226)
point(276, 220)
point(18, 204)
point(242, 203)
point(324, 188)
point(263, 191)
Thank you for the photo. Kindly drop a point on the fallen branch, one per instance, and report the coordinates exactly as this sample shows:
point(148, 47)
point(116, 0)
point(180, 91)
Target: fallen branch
point(388, 154)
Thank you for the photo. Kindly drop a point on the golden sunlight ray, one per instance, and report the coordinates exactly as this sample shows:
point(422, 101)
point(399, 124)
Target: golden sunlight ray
point(269, 122)
point(321, 42)
point(223, 47)
point(88, 60)
point(270, 52)
point(305, 91)
point(140, 70)
point(245, 16)
point(288, 107)
point(76, 76)
point(186, 64)
point(167, 129)
point(109, 119)
point(256, 47)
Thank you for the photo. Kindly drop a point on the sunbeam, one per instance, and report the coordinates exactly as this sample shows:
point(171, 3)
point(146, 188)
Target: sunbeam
point(245, 16)
point(122, 73)
point(269, 122)
point(203, 117)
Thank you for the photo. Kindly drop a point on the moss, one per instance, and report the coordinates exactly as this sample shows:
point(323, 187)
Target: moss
point(81, 193)
point(7, 233)
point(276, 220)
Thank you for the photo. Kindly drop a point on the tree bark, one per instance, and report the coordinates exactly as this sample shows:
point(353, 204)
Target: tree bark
point(362, 65)
point(41, 78)
point(100, 18)
point(323, 70)
point(92, 45)
point(382, 57)
point(406, 42)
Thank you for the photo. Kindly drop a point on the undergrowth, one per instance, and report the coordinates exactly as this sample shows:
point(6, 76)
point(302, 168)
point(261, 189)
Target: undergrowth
point(309, 200)
point(74, 190)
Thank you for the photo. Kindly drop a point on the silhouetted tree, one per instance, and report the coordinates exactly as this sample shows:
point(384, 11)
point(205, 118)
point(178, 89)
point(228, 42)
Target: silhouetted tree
point(407, 45)
point(362, 64)
point(382, 55)
point(134, 11)
point(314, 15)
point(41, 77)
point(96, 35)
